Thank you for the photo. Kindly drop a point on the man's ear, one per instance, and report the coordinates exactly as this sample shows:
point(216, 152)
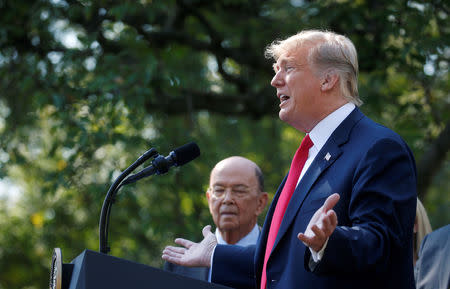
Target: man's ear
point(329, 80)
point(262, 202)
point(208, 194)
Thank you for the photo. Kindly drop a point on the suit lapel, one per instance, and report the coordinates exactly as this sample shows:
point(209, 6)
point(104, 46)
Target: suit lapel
point(317, 167)
point(261, 245)
point(329, 153)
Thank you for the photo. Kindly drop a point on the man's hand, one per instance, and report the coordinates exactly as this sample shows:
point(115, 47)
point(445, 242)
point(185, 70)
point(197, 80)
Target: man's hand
point(193, 254)
point(321, 225)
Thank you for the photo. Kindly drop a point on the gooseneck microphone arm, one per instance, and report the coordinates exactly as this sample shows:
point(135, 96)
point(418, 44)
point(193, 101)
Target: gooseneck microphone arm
point(160, 165)
point(110, 197)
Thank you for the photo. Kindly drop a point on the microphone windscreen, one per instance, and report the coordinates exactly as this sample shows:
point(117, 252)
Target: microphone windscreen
point(186, 153)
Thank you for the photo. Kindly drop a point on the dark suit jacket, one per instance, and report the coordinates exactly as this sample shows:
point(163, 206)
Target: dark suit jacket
point(433, 265)
point(374, 172)
point(200, 273)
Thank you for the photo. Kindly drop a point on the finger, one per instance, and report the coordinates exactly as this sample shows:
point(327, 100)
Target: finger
point(330, 202)
point(309, 242)
point(305, 239)
point(320, 235)
point(173, 254)
point(171, 259)
point(333, 218)
point(326, 224)
point(175, 249)
point(329, 223)
point(184, 242)
point(206, 230)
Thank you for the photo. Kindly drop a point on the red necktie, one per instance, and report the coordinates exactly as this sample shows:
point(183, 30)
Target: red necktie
point(300, 157)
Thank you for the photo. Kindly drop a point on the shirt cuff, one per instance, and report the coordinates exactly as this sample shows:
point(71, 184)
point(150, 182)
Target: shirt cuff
point(211, 261)
point(317, 256)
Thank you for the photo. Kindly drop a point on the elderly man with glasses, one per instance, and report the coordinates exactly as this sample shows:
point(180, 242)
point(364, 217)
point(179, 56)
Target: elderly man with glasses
point(236, 198)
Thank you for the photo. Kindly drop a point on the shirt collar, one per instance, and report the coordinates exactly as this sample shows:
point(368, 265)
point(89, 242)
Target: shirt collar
point(323, 130)
point(249, 239)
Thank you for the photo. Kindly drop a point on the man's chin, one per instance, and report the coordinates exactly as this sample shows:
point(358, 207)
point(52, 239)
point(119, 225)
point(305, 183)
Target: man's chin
point(228, 226)
point(283, 115)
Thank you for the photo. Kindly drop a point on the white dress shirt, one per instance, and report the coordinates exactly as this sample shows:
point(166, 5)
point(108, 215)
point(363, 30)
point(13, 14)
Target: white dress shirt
point(322, 132)
point(249, 239)
point(319, 135)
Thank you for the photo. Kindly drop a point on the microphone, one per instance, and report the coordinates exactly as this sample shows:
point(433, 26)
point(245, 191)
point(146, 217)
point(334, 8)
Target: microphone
point(160, 165)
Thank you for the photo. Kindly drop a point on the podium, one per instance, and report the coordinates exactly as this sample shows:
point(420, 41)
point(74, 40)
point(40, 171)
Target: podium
point(94, 270)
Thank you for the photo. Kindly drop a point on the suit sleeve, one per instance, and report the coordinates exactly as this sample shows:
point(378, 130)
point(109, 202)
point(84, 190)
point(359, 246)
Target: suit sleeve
point(233, 266)
point(380, 209)
point(433, 268)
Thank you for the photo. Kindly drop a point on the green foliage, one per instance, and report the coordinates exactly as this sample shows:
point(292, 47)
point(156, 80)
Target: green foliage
point(88, 86)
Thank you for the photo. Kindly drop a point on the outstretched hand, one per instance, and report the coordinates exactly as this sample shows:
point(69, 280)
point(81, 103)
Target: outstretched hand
point(321, 226)
point(192, 254)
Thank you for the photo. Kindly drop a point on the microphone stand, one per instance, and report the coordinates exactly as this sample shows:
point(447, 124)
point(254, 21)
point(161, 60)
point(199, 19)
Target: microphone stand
point(110, 198)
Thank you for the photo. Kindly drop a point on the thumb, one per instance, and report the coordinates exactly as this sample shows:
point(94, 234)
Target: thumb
point(206, 230)
point(330, 202)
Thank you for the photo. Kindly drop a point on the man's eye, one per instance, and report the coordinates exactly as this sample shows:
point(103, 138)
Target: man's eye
point(239, 192)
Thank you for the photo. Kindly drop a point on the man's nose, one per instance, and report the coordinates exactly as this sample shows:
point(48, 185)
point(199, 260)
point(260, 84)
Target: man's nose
point(277, 80)
point(228, 197)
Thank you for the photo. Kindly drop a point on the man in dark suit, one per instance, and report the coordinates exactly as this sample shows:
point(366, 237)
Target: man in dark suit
point(236, 198)
point(348, 171)
point(433, 265)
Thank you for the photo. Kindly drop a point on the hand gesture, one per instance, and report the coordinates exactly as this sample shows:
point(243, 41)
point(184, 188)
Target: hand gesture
point(321, 225)
point(193, 254)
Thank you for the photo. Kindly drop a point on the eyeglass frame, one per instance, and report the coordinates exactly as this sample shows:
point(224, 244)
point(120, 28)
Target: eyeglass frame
point(239, 191)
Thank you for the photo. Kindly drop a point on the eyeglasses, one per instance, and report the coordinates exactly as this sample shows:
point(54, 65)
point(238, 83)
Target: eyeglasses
point(238, 192)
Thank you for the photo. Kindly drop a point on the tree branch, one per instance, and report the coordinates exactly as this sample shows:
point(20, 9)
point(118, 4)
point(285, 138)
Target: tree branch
point(432, 160)
point(227, 104)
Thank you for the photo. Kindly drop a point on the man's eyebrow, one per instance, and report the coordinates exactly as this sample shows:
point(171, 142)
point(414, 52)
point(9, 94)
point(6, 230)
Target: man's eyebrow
point(283, 61)
point(278, 64)
point(240, 185)
point(218, 185)
point(233, 186)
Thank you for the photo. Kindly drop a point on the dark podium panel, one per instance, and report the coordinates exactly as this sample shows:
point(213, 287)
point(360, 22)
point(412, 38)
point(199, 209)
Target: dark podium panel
point(94, 270)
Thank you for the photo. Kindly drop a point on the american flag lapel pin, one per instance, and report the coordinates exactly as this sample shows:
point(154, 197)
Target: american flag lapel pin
point(327, 157)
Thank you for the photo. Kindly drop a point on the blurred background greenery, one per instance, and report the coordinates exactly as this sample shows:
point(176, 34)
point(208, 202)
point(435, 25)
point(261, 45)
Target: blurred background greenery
point(88, 86)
